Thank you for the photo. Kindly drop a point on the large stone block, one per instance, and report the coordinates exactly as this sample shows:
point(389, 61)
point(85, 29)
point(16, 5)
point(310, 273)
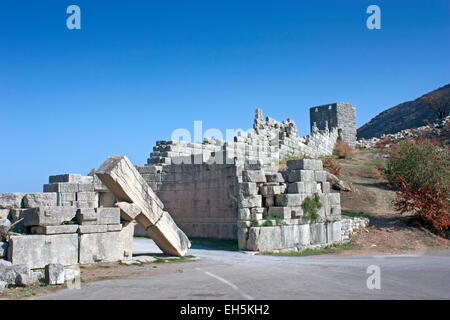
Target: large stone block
point(300, 175)
point(280, 212)
point(264, 239)
point(271, 190)
point(248, 188)
point(304, 232)
point(334, 199)
point(296, 187)
point(289, 236)
point(70, 177)
point(253, 201)
point(305, 164)
point(70, 228)
point(87, 196)
point(274, 177)
point(289, 200)
point(48, 216)
point(334, 232)
point(11, 200)
point(108, 215)
point(34, 200)
point(93, 228)
point(318, 233)
point(36, 251)
point(253, 176)
point(107, 246)
point(87, 216)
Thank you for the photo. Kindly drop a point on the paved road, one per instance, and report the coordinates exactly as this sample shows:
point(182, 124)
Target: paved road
point(236, 275)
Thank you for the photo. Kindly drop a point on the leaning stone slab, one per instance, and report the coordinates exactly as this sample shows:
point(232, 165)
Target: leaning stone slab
point(64, 229)
point(33, 200)
point(128, 211)
point(48, 216)
point(11, 200)
point(36, 251)
point(126, 183)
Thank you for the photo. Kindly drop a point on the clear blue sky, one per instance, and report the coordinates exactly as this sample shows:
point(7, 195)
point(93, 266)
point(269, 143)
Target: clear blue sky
point(137, 70)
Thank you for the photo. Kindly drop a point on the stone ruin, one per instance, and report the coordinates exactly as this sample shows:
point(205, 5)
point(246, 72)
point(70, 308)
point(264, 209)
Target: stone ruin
point(215, 189)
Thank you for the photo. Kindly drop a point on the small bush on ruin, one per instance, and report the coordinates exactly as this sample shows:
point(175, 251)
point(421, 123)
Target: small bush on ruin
point(419, 172)
point(342, 150)
point(311, 207)
point(333, 168)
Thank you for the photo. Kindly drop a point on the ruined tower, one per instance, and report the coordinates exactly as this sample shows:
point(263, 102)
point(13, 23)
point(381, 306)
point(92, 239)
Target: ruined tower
point(339, 115)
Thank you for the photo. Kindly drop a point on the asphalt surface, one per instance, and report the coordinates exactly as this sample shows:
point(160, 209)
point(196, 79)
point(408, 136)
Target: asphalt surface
point(240, 276)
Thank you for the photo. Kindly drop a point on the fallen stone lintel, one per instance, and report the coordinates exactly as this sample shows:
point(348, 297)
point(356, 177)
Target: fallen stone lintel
point(127, 184)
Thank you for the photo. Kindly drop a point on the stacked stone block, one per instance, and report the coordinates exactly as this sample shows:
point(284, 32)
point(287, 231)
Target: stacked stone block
point(270, 214)
point(73, 221)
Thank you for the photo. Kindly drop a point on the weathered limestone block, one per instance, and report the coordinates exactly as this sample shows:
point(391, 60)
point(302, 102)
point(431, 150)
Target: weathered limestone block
point(11, 200)
point(264, 239)
point(48, 216)
point(242, 238)
point(106, 199)
point(36, 251)
point(108, 215)
point(128, 211)
point(87, 216)
point(334, 199)
point(320, 175)
point(5, 225)
point(318, 233)
point(114, 227)
point(305, 164)
point(86, 187)
point(70, 228)
point(289, 200)
point(271, 190)
point(253, 201)
point(248, 188)
point(244, 214)
point(300, 175)
point(107, 246)
point(304, 232)
point(296, 187)
point(15, 274)
point(126, 183)
point(87, 196)
point(34, 200)
point(70, 177)
point(274, 177)
point(253, 176)
point(280, 212)
point(334, 232)
point(4, 213)
point(54, 274)
point(93, 228)
point(289, 236)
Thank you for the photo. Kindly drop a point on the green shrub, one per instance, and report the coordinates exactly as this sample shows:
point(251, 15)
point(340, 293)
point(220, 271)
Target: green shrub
point(419, 171)
point(311, 207)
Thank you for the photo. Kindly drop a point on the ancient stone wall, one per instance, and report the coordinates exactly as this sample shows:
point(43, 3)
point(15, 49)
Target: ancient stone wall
point(200, 198)
point(338, 115)
point(270, 142)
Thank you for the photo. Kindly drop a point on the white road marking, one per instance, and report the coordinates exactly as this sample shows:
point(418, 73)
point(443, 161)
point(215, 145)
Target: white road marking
point(236, 288)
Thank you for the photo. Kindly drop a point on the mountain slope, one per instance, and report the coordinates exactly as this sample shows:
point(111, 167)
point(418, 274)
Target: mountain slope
point(407, 115)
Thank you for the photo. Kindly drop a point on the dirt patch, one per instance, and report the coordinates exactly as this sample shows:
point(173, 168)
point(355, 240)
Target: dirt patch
point(105, 271)
point(389, 232)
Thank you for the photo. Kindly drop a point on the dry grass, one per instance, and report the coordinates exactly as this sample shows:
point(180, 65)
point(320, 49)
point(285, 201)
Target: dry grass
point(343, 150)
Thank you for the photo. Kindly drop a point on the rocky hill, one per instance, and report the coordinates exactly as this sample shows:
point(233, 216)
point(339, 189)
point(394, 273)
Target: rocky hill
point(409, 114)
